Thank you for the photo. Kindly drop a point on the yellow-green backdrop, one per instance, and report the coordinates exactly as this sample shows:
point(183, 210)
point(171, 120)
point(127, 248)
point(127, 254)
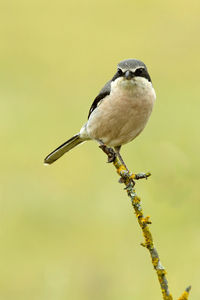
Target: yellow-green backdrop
point(67, 231)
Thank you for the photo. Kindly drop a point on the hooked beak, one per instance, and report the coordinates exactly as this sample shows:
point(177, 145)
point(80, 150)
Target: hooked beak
point(129, 75)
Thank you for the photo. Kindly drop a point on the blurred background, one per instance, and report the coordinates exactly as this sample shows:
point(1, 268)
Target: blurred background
point(68, 231)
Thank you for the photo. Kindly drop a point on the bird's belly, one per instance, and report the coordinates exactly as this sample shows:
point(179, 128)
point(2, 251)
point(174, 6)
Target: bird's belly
point(119, 119)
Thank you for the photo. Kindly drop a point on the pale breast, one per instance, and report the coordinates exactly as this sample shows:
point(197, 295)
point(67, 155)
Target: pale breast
point(123, 114)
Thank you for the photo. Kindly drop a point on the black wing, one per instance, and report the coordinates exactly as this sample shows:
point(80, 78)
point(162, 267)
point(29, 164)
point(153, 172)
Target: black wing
point(103, 93)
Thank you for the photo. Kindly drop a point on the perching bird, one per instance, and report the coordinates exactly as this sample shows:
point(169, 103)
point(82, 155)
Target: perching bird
point(119, 113)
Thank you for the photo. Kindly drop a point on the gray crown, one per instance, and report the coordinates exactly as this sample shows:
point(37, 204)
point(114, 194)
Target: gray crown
point(131, 64)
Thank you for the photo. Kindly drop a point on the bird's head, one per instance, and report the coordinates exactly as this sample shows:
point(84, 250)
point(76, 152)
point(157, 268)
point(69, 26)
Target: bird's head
point(131, 69)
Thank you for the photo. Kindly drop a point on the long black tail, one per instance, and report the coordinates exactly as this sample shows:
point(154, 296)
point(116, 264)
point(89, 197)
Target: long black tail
point(62, 149)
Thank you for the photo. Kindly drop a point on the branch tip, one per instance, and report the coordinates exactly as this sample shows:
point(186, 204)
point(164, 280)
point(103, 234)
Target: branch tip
point(185, 294)
point(188, 289)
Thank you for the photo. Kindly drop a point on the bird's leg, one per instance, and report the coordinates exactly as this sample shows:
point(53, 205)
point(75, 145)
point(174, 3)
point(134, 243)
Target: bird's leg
point(127, 174)
point(117, 150)
point(109, 151)
point(131, 175)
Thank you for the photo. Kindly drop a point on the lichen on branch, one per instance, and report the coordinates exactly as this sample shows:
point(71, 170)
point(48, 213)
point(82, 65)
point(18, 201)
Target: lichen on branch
point(128, 179)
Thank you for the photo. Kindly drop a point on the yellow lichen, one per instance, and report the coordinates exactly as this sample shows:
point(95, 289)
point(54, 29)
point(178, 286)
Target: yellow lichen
point(155, 262)
point(136, 199)
point(120, 169)
point(184, 296)
point(143, 222)
point(132, 176)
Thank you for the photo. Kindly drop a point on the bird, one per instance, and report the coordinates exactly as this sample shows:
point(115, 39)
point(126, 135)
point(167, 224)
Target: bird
point(119, 113)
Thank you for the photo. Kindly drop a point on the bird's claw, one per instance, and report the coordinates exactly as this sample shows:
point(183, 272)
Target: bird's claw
point(110, 152)
point(127, 179)
point(130, 184)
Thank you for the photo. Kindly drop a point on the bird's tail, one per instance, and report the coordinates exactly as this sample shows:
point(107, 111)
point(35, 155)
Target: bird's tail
point(62, 149)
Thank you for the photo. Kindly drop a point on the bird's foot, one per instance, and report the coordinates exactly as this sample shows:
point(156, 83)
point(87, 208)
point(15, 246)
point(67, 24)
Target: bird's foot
point(126, 177)
point(129, 182)
point(110, 152)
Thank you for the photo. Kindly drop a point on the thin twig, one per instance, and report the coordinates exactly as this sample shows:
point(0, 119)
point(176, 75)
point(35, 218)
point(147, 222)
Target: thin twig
point(128, 180)
point(185, 294)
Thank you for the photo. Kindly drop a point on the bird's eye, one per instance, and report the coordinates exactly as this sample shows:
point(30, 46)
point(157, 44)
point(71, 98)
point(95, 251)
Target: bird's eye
point(119, 71)
point(139, 71)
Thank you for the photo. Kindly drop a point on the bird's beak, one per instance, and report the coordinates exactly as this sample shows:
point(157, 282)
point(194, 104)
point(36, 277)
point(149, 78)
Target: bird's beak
point(129, 75)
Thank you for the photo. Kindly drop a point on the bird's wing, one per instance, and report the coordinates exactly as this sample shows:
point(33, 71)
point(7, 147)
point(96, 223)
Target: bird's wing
point(102, 94)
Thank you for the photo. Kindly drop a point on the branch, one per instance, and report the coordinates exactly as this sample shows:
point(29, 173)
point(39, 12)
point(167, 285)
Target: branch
point(185, 294)
point(128, 179)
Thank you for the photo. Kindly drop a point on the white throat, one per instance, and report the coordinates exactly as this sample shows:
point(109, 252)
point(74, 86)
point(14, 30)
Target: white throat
point(136, 86)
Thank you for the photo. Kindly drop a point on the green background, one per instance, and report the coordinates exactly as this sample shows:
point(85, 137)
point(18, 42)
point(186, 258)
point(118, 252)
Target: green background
point(68, 231)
